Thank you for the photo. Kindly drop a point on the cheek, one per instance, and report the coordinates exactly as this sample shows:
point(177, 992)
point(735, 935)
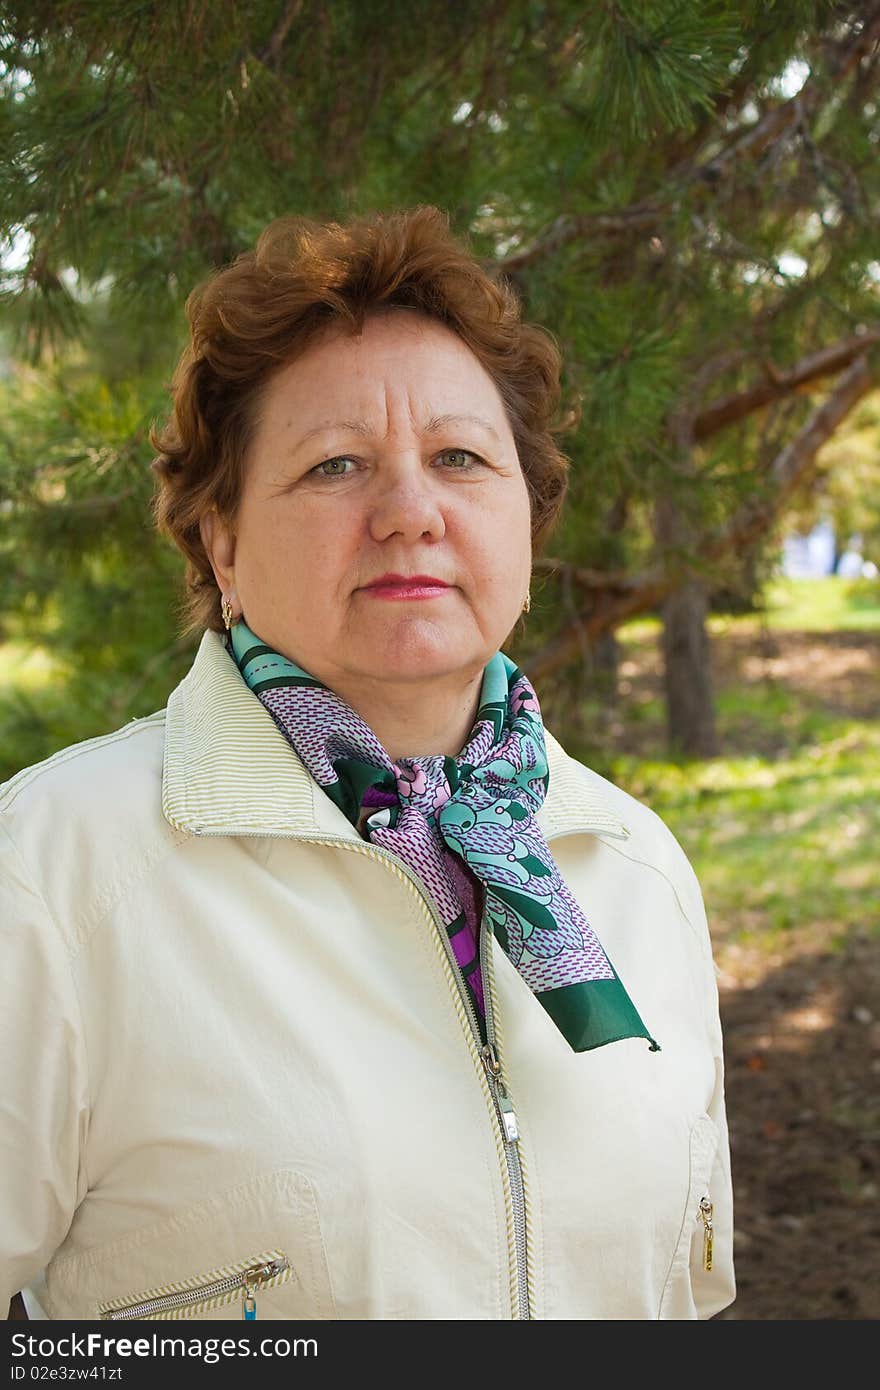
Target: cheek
point(271, 552)
point(504, 530)
point(282, 541)
point(499, 549)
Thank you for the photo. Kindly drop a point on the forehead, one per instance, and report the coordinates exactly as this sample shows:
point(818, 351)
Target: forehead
point(400, 356)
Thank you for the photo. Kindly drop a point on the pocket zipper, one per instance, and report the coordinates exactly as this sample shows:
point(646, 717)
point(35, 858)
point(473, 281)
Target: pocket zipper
point(706, 1210)
point(256, 1273)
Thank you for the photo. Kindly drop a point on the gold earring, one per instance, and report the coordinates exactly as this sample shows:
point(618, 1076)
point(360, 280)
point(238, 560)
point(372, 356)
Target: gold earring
point(226, 612)
point(528, 603)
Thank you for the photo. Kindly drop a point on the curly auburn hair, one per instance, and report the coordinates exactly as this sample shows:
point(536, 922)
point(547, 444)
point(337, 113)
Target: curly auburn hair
point(257, 315)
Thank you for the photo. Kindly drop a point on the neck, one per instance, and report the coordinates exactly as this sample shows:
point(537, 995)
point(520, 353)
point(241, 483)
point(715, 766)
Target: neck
point(409, 724)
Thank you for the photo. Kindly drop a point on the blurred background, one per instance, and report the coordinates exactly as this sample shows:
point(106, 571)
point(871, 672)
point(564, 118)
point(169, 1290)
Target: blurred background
point(686, 196)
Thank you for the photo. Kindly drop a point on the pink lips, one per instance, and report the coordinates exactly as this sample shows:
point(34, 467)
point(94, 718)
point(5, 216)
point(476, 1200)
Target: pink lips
point(402, 586)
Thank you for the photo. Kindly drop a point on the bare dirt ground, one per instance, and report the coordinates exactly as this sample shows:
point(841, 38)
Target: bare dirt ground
point(802, 1050)
point(802, 1034)
point(836, 671)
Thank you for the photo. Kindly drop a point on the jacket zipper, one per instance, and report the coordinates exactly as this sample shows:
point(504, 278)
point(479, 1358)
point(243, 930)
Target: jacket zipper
point(506, 1116)
point(488, 1066)
point(223, 1289)
point(488, 1056)
point(706, 1210)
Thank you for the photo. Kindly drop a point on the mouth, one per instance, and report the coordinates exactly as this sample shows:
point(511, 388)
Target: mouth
point(403, 586)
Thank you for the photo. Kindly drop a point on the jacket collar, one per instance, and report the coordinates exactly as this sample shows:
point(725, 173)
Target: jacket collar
point(229, 770)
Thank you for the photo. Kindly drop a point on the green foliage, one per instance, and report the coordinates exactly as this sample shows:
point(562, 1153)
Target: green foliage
point(87, 580)
point(662, 65)
point(622, 144)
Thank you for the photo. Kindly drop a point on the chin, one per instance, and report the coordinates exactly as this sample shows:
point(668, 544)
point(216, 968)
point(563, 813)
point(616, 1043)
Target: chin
point(418, 650)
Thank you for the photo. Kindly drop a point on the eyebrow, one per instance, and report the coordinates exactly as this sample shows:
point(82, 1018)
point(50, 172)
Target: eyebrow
point(433, 426)
point(439, 422)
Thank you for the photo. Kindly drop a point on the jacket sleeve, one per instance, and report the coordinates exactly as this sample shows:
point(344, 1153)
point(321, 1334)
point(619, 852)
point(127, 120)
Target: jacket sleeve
point(713, 1289)
point(44, 1105)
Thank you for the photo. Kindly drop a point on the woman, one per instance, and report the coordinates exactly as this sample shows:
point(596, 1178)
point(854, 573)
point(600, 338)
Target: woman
point(338, 989)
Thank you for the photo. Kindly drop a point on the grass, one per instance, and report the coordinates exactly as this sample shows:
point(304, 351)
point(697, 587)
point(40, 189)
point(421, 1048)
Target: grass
point(783, 847)
point(824, 605)
point(805, 605)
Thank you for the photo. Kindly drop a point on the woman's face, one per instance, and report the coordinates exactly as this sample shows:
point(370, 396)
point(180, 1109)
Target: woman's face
point(354, 473)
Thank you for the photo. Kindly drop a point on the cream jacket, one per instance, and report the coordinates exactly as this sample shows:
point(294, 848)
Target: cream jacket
point(238, 1066)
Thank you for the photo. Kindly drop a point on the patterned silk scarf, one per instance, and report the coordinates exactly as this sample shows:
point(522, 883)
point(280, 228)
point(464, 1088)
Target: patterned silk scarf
point(466, 826)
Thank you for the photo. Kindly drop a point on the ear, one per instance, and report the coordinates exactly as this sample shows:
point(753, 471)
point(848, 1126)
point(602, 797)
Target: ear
point(219, 542)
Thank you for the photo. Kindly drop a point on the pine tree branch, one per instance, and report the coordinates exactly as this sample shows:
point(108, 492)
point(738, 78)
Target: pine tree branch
point(744, 146)
point(611, 605)
point(841, 61)
point(605, 581)
point(736, 406)
point(790, 466)
point(270, 55)
point(450, 63)
point(566, 230)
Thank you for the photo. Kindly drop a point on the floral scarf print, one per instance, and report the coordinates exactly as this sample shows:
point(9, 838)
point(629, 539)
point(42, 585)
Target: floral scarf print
point(466, 827)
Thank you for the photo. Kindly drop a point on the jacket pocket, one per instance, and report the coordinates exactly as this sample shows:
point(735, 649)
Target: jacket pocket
point(238, 1283)
point(694, 1248)
point(254, 1249)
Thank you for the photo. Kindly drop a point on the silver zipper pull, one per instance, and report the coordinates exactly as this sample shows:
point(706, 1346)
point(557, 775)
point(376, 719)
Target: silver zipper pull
point(252, 1277)
point(503, 1101)
point(706, 1210)
point(249, 1306)
point(508, 1115)
point(490, 1062)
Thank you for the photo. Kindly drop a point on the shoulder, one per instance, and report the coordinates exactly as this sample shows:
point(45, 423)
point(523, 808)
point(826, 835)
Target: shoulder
point(90, 769)
point(85, 821)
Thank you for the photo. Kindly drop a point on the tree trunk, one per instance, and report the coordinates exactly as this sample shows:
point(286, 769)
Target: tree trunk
point(606, 658)
point(687, 676)
point(604, 647)
point(690, 702)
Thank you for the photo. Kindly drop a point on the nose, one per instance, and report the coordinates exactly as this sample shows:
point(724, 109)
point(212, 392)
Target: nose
point(407, 500)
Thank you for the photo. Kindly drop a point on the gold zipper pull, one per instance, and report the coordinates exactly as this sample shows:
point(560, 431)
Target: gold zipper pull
point(706, 1210)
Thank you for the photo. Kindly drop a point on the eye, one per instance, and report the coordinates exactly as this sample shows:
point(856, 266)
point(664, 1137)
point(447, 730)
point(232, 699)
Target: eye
point(341, 458)
point(461, 454)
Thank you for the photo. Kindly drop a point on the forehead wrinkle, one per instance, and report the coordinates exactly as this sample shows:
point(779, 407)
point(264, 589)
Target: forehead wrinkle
point(434, 425)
